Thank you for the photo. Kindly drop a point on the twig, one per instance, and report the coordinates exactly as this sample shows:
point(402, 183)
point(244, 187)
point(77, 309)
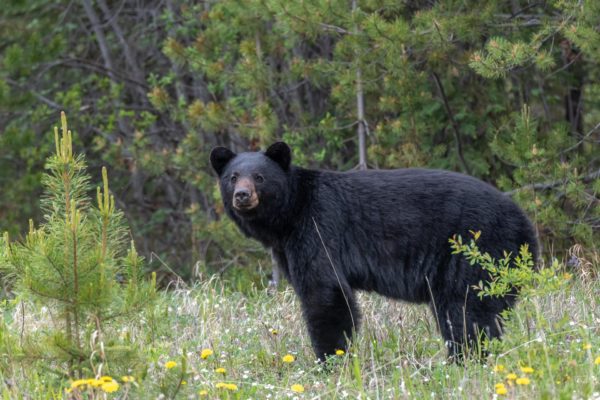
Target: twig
point(551, 185)
point(50, 103)
point(336, 274)
point(583, 139)
point(567, 65)
point(153, 255)
point(334, 28)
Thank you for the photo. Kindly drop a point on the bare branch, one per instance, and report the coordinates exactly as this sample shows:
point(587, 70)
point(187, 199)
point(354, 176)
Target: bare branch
point(455, 127)
point(50, 103)
point(551, 185)
point(127, 52)
point(100, 38)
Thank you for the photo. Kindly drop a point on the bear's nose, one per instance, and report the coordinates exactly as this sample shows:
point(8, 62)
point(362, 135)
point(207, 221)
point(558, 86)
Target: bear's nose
point(242, 195)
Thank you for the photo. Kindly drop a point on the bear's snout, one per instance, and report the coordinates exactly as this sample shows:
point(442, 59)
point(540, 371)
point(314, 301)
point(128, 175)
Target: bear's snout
point(244, 195)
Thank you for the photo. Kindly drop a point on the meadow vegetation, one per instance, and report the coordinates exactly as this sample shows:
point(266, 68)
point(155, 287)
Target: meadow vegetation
point(82, 323)
point(553, 341)
point(505, 91)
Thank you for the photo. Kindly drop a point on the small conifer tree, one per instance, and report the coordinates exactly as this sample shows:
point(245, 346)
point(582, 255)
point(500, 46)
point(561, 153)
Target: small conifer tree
point(79, 264)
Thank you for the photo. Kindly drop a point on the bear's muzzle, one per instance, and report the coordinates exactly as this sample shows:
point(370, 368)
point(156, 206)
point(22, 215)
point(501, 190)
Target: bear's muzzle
point(244, 195)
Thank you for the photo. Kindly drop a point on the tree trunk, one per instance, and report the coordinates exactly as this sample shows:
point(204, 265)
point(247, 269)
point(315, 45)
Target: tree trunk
point(360, 109)
point(574, 95)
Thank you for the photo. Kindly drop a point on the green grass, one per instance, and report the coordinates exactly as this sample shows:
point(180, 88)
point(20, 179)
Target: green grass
point(397, 354)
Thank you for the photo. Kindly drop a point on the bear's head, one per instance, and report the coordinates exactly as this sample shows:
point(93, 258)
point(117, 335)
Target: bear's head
point(253, 184)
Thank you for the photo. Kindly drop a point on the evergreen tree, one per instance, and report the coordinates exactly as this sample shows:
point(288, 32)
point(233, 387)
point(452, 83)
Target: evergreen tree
point(78, 263)
point(434, 84)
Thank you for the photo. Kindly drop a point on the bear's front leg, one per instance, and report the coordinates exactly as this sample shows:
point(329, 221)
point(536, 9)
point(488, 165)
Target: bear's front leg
point(280, 265)
point(331, 315)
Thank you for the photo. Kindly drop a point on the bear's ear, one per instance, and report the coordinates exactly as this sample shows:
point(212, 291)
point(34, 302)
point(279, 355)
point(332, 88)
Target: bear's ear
point(219, 157)
point(281, 154)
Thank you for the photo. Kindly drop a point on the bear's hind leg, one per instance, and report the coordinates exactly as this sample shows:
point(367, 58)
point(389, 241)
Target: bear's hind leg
point(332, 315)
point(464, 329)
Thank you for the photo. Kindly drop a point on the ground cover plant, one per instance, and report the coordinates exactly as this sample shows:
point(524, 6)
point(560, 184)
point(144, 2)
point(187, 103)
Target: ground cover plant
point(209, 341)
point(507, 92)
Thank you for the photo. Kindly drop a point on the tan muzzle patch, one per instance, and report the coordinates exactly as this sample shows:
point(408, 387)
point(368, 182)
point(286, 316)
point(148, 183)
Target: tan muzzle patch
point(244, 195)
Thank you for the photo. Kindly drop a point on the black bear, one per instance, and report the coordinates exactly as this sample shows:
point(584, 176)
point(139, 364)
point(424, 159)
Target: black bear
point(377, 230)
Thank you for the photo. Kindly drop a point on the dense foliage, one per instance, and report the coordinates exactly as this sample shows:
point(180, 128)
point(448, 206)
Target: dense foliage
point(506, 91)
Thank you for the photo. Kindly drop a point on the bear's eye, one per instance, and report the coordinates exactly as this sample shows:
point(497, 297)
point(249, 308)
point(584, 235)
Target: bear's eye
point(233, 179)
point(259, 178)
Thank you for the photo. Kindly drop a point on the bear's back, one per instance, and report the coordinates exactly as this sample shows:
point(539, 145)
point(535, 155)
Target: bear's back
point(422, 194)
point(401, 221)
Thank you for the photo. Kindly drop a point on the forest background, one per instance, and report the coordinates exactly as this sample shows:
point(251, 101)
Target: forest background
point(505, 91)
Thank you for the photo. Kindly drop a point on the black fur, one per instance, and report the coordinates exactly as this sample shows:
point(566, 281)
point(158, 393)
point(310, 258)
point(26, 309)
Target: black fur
point(379, 230)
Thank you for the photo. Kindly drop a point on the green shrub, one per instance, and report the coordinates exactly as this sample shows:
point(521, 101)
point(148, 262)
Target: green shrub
point(80, 269)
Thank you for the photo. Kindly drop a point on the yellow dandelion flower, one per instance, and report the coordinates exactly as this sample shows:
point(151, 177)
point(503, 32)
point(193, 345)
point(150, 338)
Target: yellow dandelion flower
point(523, 381)
point(203, 393)
point(340, 352)
point(220, 370)
point(597, 360)
point(587, 346)
point(227, 386)
point(95, 382)
point(501, 390)
point(527, 370)
point(205, 353)
point(78, 383)
point(511, 376)
point(110, 387)
point(499, 368)
point(297, 388)
point(288, 358)
point(170, 364)
point(128, 379)
point(184, 382)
